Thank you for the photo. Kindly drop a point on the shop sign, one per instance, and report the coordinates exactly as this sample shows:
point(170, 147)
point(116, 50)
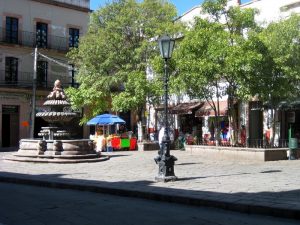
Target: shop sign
point(10, 108)
point(291, 117)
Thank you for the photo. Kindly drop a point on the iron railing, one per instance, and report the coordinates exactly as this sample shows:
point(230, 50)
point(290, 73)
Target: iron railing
point(29, 39)
point(25, 80)
point(251, 143)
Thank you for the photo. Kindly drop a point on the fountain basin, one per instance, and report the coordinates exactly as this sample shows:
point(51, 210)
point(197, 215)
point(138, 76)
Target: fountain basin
point(57, 151)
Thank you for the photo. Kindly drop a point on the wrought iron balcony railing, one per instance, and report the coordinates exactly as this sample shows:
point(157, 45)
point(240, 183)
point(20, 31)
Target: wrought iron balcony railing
point(25, 80)
point(31, 39)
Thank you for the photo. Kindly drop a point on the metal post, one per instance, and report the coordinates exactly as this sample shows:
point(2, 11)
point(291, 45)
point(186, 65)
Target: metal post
point(165, 160)
point(166, 137)
point(33, 101)
point(73, 73)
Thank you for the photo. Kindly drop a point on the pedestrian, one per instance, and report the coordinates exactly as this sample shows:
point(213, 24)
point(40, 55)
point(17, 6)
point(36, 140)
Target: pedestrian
point(160, 140)
point(243, 136)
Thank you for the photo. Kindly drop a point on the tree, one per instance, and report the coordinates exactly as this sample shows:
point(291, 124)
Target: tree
point(113, 56)
point(279, 76)
point(216, 50)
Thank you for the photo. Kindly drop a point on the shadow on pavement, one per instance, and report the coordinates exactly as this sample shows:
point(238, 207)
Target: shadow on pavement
point(280, 204)
point(185, 164)
point(189, 178)
point(113, 156)
point(271, 171)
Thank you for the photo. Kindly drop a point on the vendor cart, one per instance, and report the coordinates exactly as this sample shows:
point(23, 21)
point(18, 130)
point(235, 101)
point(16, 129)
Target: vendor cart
point(113, 142)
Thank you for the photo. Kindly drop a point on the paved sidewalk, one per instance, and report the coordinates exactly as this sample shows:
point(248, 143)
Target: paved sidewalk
point(271, 188)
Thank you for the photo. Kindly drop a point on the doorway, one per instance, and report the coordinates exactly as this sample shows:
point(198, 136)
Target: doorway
point(10, 125)
point(255, 124)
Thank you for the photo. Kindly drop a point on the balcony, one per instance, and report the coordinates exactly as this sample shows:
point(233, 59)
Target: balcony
point(25, 80)
point(29, 39)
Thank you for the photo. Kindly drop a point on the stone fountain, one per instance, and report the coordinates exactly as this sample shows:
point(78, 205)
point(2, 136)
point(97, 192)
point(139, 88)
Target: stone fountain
point(56, 144)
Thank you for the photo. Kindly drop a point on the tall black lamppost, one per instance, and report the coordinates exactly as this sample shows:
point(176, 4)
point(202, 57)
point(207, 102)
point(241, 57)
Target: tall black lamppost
point(164, 160)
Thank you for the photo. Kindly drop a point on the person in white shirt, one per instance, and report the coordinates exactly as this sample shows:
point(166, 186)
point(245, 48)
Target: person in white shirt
point(161, 135)
point(160, 142)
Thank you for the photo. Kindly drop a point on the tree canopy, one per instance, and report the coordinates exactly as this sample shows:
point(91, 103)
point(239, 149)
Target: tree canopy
point(113, 56)
point(281, 70)
point(227, 46)
point(216, 50)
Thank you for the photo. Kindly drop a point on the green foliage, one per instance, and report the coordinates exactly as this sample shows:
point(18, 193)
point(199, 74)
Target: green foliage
point(280, 80)
point(113, 56)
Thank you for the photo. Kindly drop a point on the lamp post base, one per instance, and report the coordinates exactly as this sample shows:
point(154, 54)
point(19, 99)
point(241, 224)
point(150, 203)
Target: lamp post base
point(166, 168)
point(165, 178)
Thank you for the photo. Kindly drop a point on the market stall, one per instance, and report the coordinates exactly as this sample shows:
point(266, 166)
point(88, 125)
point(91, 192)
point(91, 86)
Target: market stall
point(119, 143)
point(109, 142)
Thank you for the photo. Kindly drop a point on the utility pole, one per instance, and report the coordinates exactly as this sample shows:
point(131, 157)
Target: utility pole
point(33, 101)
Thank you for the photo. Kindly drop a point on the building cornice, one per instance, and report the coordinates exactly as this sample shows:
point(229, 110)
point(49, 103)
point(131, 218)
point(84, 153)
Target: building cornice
point(189, 11)
point(64, 5)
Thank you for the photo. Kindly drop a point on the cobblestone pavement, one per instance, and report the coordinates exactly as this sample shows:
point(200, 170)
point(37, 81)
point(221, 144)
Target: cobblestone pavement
point(261, 187)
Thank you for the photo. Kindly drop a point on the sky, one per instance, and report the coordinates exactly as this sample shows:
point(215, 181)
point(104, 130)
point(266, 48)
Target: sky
point(181, 5)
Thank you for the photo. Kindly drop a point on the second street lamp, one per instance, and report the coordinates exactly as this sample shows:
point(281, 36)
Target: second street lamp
point(164, 160)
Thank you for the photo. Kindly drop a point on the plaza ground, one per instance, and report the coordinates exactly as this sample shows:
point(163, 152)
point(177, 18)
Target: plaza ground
point(270, 188)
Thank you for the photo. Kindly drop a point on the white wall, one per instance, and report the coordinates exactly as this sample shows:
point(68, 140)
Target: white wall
point(273, 10)
point(58, 18)
point(81, 3)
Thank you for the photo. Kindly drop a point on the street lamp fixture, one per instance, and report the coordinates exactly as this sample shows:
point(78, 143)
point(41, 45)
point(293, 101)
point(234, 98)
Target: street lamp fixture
point(164, 160)
point(166, 46)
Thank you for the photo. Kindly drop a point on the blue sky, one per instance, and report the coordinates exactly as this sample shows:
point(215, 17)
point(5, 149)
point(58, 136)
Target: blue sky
point(182, 5)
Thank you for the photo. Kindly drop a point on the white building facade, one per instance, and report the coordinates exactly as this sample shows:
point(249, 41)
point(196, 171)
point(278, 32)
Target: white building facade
point(54, 26)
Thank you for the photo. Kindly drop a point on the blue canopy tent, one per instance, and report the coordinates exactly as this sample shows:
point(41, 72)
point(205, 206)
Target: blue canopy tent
point(106, 120)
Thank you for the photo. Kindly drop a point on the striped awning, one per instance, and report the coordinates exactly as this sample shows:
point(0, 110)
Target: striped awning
point(207, 110)
point(187, 108)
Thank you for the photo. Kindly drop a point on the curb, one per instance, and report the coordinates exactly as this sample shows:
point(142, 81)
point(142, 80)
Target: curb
point(249, 207)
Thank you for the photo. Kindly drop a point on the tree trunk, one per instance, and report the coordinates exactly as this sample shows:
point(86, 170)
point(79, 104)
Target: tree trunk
point(233, 122)
point(273, 131)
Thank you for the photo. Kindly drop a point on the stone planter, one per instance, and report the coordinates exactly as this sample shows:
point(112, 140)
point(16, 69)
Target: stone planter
point(238, 153)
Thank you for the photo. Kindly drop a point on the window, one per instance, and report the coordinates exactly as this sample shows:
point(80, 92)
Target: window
point(12, 26)
point(41, 35)
point(11, 70)
point(73, 37)
point(42, 73)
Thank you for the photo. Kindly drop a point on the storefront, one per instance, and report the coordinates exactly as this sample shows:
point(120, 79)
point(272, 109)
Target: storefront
point(209, 122)
point(289, 117)
point(188, 123)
